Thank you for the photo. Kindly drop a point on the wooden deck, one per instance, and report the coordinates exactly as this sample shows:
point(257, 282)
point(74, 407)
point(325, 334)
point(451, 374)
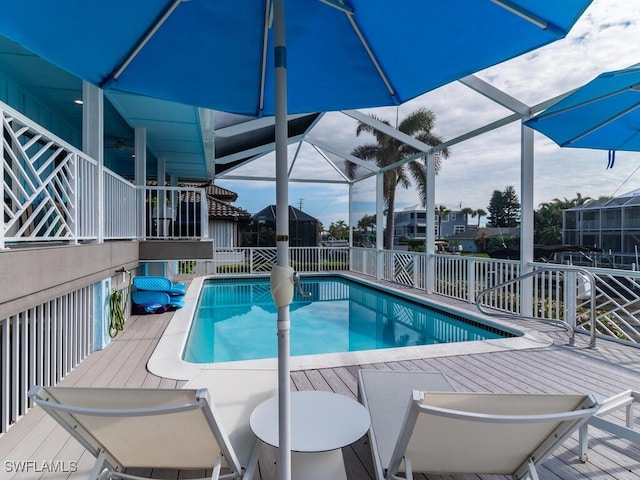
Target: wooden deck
point(553, 369)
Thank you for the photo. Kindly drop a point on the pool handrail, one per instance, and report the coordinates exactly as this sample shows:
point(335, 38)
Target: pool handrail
point(561, 323)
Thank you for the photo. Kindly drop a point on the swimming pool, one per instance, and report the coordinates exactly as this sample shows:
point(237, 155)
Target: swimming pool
point(235, 320)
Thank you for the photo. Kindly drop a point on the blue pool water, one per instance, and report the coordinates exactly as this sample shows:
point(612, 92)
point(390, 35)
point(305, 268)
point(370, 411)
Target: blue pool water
point(236, 320)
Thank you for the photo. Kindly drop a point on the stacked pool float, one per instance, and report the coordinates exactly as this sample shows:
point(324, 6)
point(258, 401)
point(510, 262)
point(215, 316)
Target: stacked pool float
point(154, 294)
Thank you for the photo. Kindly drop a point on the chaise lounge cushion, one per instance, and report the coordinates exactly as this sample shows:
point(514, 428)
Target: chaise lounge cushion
point(159, 284)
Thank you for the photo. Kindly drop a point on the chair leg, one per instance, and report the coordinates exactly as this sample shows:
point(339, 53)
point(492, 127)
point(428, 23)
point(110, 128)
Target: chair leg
point(98, 471)
point(533, 473)
point(583, 443)
point(253, 462)
point(216, 468)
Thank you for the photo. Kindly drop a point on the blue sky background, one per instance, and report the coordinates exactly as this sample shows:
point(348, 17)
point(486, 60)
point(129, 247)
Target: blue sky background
point(607, 37)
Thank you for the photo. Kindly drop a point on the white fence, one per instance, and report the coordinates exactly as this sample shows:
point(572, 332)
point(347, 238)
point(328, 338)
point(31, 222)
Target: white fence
point(257, 260)
point(41, 346)
point(120, 211)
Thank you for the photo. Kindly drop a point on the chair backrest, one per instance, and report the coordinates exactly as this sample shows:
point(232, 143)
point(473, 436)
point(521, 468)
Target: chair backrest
point(147, 428)
point(484, 432)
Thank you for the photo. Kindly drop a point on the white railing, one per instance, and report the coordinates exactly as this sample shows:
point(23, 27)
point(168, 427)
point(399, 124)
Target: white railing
point(617, 292)
point(260, 260)
point(49, 193)
point(47, 184)
point(364, 260)
point(176, 213)
point(617, 305)
point(40, 346)
point(120, 211)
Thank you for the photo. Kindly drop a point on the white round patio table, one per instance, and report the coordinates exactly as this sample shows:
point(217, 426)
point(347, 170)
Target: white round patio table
point(321, 424)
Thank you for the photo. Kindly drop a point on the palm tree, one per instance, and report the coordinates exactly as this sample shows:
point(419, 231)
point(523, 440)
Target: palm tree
point(441, 211)
point(388, 151)
point(548, 219)
point(466, 211)
point(478, 213)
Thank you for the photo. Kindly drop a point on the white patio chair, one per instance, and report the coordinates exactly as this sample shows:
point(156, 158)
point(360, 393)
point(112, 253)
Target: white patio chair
point(472, 433)
point(386, 394)
point(142, 428)
point(626, 400)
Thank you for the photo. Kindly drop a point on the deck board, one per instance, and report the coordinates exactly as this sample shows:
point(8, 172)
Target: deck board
point(556, 368)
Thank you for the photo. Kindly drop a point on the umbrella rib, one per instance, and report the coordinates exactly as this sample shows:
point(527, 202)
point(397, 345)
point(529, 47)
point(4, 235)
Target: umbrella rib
point(145, 39)
point(568, 108)
point(268, 20)
point(602, 124)
point(338, 4)
point(528, 16)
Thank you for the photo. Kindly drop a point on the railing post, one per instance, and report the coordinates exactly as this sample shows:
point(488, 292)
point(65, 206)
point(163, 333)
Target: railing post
point(140, 181)
point(570, 303)
point(204, 215)
point(471, 280)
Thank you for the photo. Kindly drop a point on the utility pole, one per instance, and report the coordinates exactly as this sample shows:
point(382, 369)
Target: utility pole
point(300, 204)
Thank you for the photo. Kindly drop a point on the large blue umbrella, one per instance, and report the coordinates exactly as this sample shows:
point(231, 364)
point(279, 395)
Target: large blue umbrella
point(338, 54)
point(603, 114)
point(341, 54)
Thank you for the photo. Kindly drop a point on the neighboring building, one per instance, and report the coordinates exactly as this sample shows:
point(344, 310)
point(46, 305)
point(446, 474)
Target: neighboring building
point(468, 239)
point(412, 223)
point(261, 232)
point(475, 239)
point(612, 225)
point(226, 221)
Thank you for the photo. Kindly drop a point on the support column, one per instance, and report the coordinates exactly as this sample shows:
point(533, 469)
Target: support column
point(430, 222)
point(350, 215)
point(141, 179)
point(379, 225)
point(93, 145)
point(526, 219)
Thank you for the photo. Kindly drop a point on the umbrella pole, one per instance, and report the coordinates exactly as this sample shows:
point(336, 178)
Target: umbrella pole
point(282, 238)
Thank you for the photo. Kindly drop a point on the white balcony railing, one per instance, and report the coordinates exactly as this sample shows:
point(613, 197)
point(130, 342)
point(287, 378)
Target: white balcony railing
point(49, 194)
point(176, 213)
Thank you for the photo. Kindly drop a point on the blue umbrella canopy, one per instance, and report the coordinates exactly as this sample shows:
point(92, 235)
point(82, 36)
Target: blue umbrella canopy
point(603, 114)
point(340, 55)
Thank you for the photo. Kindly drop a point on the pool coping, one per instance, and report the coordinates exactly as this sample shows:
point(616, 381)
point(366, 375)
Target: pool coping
point(166, 360)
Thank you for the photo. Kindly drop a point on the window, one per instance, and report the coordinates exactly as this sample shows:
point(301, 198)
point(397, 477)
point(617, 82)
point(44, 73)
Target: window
point(458, 229)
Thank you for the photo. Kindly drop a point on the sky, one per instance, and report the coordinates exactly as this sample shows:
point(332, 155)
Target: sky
point(605, 38)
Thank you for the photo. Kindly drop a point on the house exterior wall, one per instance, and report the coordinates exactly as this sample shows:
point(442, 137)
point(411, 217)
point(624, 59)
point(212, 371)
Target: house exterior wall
point(613, 228)
point(26, 103)
point(412, 224)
